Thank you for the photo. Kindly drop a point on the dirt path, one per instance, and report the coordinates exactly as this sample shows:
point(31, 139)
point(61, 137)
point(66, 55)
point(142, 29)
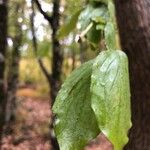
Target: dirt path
point(32, 127)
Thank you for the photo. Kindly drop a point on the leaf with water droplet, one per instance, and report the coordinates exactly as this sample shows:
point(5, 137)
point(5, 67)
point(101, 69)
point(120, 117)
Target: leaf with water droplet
point(75, 123)
point(111, 96)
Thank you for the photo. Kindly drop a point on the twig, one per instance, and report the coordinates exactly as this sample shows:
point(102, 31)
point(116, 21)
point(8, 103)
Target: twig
point(46, 16)
point(41, 64)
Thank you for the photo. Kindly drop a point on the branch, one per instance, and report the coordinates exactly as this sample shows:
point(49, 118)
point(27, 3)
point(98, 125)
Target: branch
point(46, 16)
point(34, 40)
point(44, 70)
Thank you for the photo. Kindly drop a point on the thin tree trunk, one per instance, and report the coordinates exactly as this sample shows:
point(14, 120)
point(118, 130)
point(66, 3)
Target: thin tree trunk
point(3, 44)
point(57, 52)
point(56, 64)
point(54, 79)
point(134, 24)
point(13, 73)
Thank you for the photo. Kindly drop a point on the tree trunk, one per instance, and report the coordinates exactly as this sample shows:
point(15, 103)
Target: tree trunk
point(13, 73)
point(3, 44)
point(57, 60)
point(54, 79)
point(57, 52)
point(134, 24)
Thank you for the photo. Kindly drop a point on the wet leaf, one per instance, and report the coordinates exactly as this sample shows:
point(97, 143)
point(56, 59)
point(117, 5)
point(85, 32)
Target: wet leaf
point(90, 13)
point(111, 8)
point(110, 36)
point(111, 96)
point(76, 123)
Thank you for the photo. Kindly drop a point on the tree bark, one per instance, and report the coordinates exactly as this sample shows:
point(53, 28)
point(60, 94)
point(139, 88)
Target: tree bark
point(57, 52)
point(13, 73)
point(3, 44)
point(134, 25)
point(54, 79)
point(57, 61)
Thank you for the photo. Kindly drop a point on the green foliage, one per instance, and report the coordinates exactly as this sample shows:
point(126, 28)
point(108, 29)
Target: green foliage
point(102, 86)
point(100, 1)
point(96, 97)
point(111, 9)
point(69, 26)
point(94, 40)
point(98, 14)
point(43, 49)
point(110, 36)
point(111, 96)
point(76, 123)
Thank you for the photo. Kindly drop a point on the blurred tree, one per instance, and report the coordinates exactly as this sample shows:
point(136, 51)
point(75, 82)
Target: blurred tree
point(3, 44)
point(54, 21)
point(54, 78)
point(134, 25)
point(13, 70)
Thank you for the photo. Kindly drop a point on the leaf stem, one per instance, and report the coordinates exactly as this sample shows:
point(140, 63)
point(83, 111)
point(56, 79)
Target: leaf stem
point(83, 33)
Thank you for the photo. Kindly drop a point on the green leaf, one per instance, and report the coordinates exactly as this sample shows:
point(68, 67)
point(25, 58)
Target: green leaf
point(111, 8)
point(99, 20)
point(75, 120)
point(100, 1)
point(85, 17)
point(100, 27)
point(100, 13)
point(111, 96)
point(90, 13)
point(110, 36)
point(69, 26)
point(94, 36)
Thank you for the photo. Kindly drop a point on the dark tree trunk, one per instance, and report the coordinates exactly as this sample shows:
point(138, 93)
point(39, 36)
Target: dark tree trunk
point(56, 64)
point(3, 44)
point(57, 52)
point(13, 73)
point(54, 78)
point(134, 24)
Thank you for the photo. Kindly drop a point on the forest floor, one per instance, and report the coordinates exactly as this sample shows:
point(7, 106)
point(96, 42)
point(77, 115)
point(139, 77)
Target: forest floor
point(31, 129)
